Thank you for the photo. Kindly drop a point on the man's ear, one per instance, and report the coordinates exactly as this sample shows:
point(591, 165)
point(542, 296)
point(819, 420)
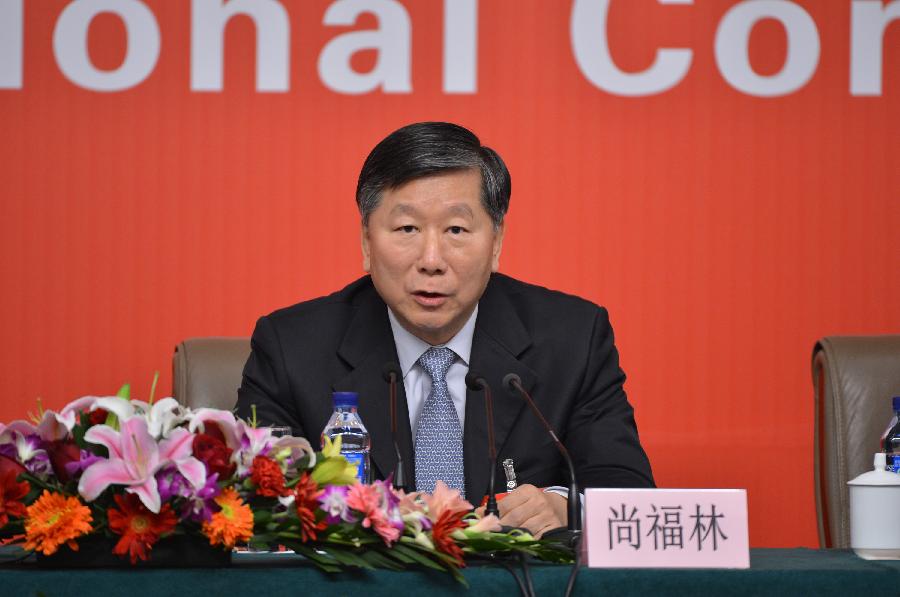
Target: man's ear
point(364, 242)
point(498, 246)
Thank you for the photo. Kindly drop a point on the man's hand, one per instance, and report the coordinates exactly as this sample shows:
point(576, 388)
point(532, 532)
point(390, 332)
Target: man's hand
point(533, 509)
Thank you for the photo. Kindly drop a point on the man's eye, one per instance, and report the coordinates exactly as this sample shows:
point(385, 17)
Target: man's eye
point(407, 229)
point(456, 229)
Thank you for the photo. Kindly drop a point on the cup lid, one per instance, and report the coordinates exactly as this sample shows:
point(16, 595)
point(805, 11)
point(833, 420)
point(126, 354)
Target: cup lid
point(878, 476)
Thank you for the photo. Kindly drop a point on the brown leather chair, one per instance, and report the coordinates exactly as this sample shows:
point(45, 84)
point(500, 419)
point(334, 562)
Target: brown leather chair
point(854, 378)
point(207, 371)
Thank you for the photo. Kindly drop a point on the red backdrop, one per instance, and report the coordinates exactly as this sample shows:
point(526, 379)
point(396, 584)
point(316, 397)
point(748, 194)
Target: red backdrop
point(724, 231)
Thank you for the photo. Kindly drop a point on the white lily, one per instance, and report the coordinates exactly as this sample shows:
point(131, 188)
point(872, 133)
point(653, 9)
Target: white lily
point(162, 416)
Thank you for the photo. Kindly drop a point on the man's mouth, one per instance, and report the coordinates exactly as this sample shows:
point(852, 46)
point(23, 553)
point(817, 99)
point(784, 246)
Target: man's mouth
point(429, 299)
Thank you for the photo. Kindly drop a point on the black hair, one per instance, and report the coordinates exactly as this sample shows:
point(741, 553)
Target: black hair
point(427, 149)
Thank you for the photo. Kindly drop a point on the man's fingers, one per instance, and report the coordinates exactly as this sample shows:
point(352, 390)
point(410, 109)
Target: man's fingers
point(529, 508)
point(517, 497)
point(539, 523)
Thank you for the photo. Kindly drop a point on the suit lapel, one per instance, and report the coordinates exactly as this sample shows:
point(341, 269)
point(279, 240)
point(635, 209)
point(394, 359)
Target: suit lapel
point(367, 345)
point(500, 338)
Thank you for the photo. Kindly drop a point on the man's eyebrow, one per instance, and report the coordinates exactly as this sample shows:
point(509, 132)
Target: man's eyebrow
point(461, 209)
point(404, 209)
point(452, 209)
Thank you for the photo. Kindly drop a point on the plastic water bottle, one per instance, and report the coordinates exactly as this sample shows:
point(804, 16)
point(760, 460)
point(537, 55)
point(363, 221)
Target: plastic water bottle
point(346, 424)
point(890, 441)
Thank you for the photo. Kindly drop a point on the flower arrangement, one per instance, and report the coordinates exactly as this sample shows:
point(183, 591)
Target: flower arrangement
point(137, 472)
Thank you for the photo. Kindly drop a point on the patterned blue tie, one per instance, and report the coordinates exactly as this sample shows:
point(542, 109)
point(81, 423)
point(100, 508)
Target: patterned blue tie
point(439, 447)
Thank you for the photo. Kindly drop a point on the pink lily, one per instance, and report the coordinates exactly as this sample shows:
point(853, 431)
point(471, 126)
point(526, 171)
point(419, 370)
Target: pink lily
point(56, 426)
point(223, 418)
point(134, 459)
point(9, 432)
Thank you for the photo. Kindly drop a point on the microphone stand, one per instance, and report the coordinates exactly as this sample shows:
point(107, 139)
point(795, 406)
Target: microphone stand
point(572, 533)
point(390, 375)
point(476, 382)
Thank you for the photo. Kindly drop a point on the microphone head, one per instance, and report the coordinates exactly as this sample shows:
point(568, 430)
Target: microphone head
point(390, 372)
point(510, 381)
point(475, 381)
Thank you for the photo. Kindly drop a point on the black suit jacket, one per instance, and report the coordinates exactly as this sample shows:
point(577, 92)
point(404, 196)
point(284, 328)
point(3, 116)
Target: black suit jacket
point(560, 345)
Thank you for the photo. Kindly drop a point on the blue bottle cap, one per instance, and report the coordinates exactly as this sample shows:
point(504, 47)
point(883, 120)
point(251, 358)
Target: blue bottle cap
point(896, 402)
point(345, 399)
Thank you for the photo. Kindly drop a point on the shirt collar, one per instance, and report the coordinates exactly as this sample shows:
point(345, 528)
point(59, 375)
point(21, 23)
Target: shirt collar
point(410, 348)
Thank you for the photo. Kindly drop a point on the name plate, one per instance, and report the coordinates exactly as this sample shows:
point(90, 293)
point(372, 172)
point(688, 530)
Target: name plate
point(666, 528)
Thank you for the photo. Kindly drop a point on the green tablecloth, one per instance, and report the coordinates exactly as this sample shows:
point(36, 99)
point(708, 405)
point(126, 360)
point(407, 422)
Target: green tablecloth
point(772, 572)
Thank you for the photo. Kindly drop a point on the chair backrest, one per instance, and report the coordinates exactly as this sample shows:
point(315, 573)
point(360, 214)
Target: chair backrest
point(207, 371)
point(854, 378)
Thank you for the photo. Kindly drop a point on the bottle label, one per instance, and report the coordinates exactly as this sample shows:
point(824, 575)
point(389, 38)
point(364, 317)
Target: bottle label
point(358, 460)
point(893, 463)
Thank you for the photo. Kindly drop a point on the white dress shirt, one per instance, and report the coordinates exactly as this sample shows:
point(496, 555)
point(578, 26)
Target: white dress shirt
point(416, 380)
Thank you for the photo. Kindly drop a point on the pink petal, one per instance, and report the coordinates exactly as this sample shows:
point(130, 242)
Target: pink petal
point(106, 436)
point(139, 448)
point(178, 445)
point(488, 523)
point(18, 426)
point(149, 494)
point(193, 470)
point(54, 426)
point(102, 474)
point(224, 419)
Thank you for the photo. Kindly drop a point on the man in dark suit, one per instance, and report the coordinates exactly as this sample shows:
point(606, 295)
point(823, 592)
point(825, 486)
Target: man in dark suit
point(432, 201)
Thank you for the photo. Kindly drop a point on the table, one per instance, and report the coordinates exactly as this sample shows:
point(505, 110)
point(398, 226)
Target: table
point(772, 572)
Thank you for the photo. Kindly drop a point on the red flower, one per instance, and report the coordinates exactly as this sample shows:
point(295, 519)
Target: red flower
point(442, 529)
point(61, 453)
point(213, 452)
point(12, 492)
point(268, 477)
point(97, 417)
point(140, 528)
point(306, 494)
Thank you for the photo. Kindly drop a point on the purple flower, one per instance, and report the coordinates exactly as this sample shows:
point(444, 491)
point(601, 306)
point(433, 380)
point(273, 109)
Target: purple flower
point(198, 504)
point(390, 502)
point(29, 451)
point(77, 466)
point(172, 484)
point(334, 504)
point(39, 465)
point(201, 505)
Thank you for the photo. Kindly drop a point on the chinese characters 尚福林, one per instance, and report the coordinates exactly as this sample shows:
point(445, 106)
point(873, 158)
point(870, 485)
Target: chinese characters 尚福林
point(666, 527)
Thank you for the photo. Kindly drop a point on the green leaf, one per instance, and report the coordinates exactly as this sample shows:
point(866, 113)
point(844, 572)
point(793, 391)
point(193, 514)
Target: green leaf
point(420, 558)
point(124, 392)
point(400, 557)
point(325, 563)
point(380, 560)
point(348, 558)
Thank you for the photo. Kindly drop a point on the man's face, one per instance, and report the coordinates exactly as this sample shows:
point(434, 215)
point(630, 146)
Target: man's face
point(430, 247)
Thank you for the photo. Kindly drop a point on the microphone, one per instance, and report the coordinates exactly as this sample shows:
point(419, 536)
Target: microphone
point(513, 383)
point(390, 372)
point(476, 382)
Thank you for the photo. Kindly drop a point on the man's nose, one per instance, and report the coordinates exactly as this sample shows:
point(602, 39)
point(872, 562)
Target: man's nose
point(431, 260)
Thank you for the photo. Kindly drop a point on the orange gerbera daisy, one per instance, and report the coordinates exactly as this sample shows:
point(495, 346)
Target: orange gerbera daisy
point(140, 528)
point(231, 524)
point(54, 519)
